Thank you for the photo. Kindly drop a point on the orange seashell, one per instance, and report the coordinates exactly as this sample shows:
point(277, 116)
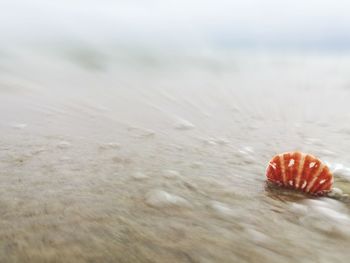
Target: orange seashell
point(300, 171)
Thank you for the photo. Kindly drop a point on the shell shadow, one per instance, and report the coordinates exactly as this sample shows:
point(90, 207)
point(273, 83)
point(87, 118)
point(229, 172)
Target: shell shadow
point(285, 194)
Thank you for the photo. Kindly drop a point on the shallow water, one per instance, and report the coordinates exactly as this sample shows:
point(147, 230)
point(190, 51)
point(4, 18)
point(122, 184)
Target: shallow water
point(161, 158)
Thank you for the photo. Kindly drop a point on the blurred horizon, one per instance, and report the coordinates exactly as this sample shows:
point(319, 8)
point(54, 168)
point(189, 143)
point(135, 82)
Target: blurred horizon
point(271, 25)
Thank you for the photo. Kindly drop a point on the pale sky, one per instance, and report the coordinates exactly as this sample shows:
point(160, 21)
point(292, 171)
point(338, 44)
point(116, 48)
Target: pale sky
point(319, 23)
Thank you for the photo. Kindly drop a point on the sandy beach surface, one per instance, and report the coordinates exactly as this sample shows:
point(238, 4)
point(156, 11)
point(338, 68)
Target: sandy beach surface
point(140, 156)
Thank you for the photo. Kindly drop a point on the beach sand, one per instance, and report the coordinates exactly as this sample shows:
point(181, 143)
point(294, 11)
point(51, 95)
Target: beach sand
point(128, 156)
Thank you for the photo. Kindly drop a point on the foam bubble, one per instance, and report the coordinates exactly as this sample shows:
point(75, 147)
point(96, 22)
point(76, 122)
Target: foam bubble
point(221, 209)
point(341, 172)
point(19, 125)
point(171, 174)
point(331, 214)
point(298, 209)
point(63, 144)
point(110, 145)
point(335, 192)
point(163, 199)
point(182, 124)
point(257, 236)
point(139, 176)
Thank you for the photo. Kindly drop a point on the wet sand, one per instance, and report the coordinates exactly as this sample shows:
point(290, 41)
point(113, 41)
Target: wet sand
point(120, 157)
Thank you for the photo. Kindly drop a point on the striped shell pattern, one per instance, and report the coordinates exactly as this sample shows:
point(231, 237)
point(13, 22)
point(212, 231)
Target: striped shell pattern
point(300, 171)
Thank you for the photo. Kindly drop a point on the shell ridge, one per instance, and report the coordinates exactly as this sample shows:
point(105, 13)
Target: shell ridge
point(316, 175)
point(300, 169)
point(283, 169)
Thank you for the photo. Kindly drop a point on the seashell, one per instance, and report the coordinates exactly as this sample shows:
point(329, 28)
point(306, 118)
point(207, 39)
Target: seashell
point(300, 171)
